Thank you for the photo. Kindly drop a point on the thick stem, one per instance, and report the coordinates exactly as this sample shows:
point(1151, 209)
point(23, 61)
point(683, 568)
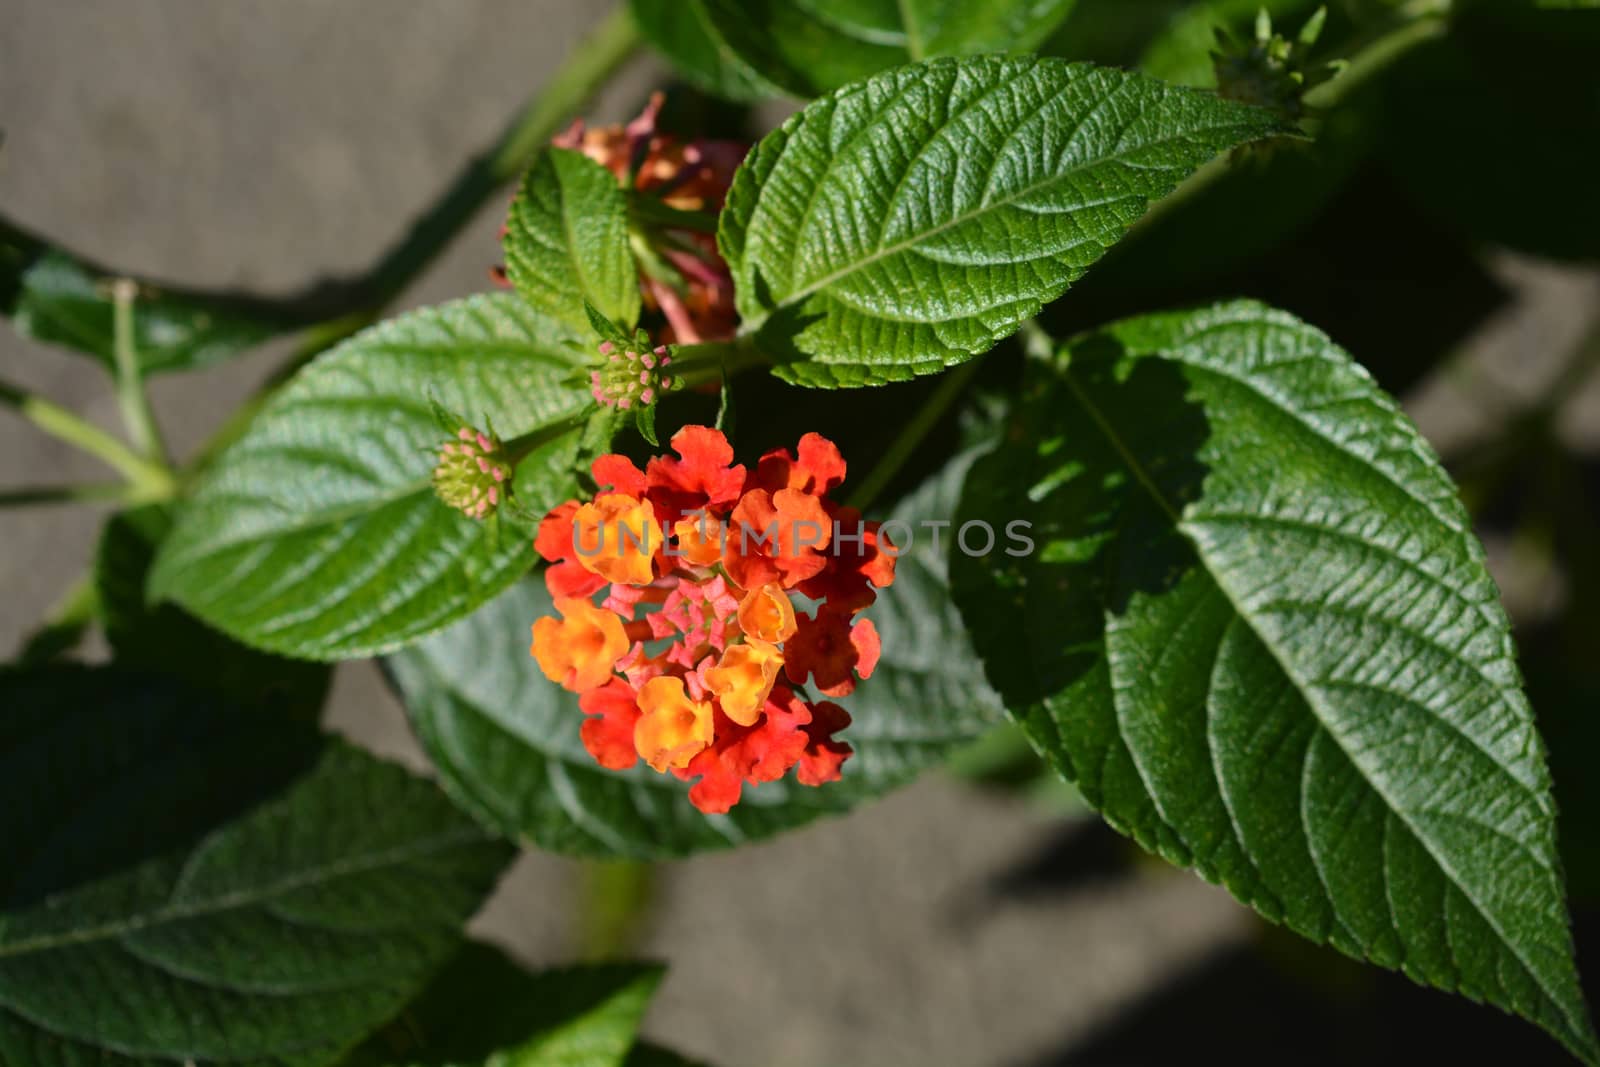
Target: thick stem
point(1376, 57)
point(615, 902)
point(713, 361)
point(150, 481)
point(131, 398)
point(653, 212)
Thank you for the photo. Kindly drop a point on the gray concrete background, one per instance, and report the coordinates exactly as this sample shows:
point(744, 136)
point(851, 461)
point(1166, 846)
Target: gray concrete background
point(223, 143)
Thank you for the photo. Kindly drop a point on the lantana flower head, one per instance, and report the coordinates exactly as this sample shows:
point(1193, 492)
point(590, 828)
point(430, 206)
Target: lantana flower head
point(682, 275)
point(696, 658)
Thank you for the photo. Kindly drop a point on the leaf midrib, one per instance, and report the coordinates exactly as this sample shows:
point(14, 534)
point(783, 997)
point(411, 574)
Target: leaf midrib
point(752, 324)
point(246, 897)
point(587, 285)
point(355, 509)
point(1575, 1027)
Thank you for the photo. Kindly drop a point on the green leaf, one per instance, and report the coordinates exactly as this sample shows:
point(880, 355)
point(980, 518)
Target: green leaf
point(505, 740)
point(928, 673)
point(168, 640)
point(566, 242)
point(644, 420)
point(54, 297)
point(483, 1010)
point(687, 34)
point(909, 223)
point(1258, 634)
point(605, 329)
point(811, 47)
point(186, 883)
point(318, 535)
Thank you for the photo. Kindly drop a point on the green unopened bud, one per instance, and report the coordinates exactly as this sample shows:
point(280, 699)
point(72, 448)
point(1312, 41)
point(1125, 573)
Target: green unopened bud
point(473, 475)
point(1270, 70)
point(631, 376)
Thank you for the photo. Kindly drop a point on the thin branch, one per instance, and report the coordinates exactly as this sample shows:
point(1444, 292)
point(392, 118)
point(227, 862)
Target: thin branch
point(151, 480)
point(131, 398)
point(95, 492)
point(904, 446)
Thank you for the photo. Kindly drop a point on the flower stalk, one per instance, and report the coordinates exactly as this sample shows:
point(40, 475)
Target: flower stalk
point(147, 480)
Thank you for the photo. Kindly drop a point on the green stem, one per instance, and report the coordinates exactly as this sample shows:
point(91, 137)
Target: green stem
point(150, 481)
point(28, 495)
point(519, 448)
point(713, 361)
point(654, 212)
point(905, 445)
point(131, 398)
point(614, 905)
point(1376, 57)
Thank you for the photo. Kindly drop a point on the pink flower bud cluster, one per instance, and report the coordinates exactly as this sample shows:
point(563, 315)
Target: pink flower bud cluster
point(472, 473)
point(626, 377)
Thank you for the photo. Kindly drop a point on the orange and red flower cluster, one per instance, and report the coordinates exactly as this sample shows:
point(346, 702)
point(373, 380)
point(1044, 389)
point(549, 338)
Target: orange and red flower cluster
point(696, 660)
point(692, 287)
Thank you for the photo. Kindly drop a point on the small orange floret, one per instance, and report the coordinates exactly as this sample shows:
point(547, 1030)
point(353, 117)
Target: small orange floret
point(672, 729)
point(616, 538)
point(608, 733)
point(743, 679)
point(780, 537)
point(579, 651)
point(766, 614)
point(699, 539)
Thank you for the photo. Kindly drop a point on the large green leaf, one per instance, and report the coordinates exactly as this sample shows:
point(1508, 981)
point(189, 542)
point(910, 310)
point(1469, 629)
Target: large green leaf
point(186, 883)
point(318, 534)
point(690, 36)
point(811, 47)
point(55, 297)
point(1258, 634)
point(566, 242)
point(505, 740)
point(485, 1011)
point(929, 674)
point(909, 223)
point(165, 639)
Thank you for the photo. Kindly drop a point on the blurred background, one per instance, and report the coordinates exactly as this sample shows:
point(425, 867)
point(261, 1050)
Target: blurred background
point(974, 918)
